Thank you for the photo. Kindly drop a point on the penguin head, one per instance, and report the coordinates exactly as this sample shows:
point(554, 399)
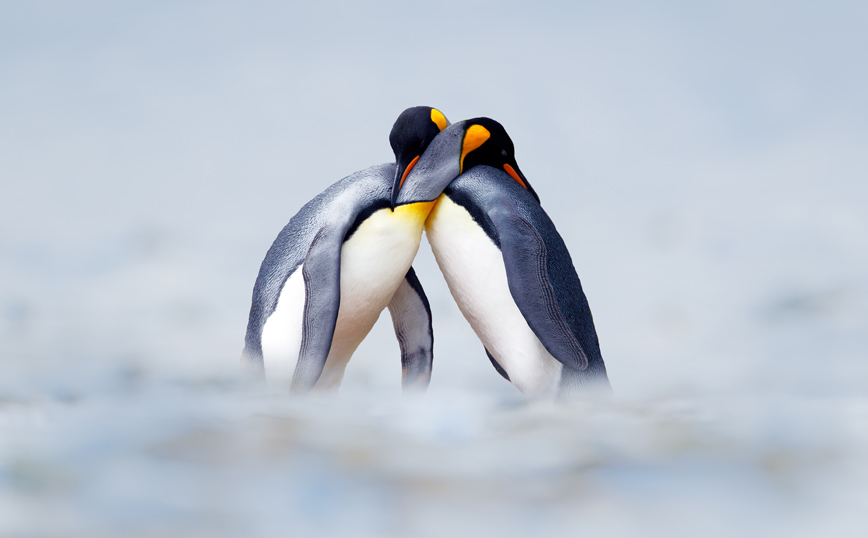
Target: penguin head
point(457, 149)
point(493, 147)
point(413, 131)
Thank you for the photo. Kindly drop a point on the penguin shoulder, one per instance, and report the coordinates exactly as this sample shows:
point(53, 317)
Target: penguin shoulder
point(477, 192)
point(329, 216)
point(344, 199)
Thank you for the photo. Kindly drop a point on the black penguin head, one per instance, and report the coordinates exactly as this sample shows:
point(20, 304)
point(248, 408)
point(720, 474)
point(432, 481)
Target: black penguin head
point(413, 131)
point(456, 149)
point(486, 142)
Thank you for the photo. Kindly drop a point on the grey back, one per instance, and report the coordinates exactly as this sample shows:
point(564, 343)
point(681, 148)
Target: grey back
point(339, 207)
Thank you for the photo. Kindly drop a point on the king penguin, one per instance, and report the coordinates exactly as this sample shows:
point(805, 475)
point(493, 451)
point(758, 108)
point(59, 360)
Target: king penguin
point(345, 256)
point(511, 274)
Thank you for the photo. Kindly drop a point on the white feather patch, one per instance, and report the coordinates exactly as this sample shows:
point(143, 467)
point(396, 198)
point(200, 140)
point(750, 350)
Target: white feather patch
point(281, 335)
point(474, 271)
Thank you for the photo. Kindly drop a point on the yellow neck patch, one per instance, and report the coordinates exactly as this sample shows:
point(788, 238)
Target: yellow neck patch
point(475, 136)
point(439, 119)
point(414, 213)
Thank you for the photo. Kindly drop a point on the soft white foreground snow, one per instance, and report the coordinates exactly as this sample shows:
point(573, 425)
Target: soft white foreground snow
point(189, 456)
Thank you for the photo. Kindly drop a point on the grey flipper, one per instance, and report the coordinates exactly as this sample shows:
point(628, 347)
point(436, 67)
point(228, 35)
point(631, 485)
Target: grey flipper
point(314, 236)
point(525, 257)
point(540, 272)
point(411, 318)
point(322, 301)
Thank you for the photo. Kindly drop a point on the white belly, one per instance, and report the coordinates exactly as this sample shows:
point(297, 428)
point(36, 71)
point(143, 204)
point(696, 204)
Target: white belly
point(374, 261)
point(474, 271)
point(281, 335)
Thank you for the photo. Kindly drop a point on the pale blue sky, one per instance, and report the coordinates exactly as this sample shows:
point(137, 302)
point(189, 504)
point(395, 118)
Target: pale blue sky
point(704, 162)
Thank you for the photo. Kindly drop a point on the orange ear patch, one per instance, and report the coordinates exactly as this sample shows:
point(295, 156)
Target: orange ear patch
point(475, 136)
point(439, 119)
point(407, 171)
point(511, 171)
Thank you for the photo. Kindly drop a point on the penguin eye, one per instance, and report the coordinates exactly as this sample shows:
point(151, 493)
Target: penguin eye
point(503, 152)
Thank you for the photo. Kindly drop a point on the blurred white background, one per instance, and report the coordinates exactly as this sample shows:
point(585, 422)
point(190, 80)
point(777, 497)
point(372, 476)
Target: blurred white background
point(705, 164)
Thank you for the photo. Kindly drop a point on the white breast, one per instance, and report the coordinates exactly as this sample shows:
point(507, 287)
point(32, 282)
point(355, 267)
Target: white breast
point(474, 271)
point(374, 262)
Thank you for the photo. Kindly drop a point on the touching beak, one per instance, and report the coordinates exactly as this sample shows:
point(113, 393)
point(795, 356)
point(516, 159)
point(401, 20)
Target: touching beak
point(402, 170)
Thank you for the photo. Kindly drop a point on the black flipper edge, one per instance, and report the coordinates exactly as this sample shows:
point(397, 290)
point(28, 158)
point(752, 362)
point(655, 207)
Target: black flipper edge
point(497, 365)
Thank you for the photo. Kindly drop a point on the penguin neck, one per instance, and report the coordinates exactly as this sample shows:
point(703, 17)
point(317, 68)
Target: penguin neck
point(414, 212)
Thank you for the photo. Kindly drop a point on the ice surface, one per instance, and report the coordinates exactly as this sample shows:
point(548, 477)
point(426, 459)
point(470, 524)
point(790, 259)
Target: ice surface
point(704, 163)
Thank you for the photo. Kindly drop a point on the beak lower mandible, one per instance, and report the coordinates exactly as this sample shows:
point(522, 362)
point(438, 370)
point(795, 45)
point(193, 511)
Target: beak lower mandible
point(401, 172)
